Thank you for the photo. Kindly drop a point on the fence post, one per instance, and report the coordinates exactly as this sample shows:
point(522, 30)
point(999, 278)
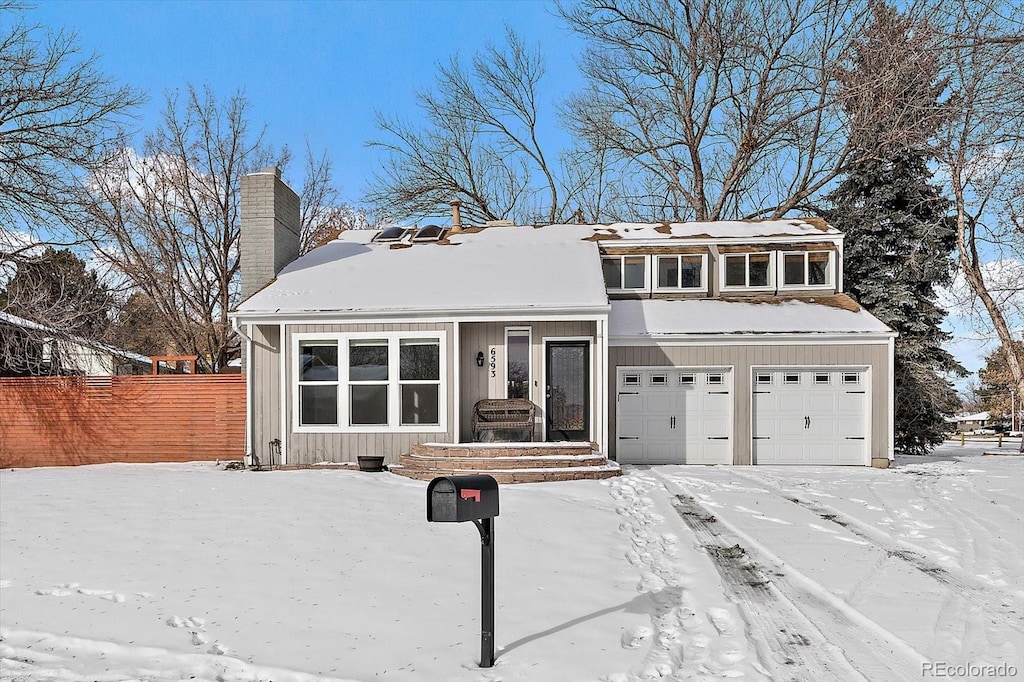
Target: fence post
point(1000, 440)
point(961, 439)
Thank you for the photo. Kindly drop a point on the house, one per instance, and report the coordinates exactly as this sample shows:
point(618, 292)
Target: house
point(969, 422)
point(697, 343)
point(30, 348)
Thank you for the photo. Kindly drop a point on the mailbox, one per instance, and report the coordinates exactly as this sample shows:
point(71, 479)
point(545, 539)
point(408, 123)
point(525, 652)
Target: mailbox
point(462, 498)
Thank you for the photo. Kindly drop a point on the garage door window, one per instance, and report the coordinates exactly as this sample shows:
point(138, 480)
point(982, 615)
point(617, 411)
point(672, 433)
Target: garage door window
point(764, 378)
point(791, 379)
point(851, 378)
point(659, 380)
point(715, 379)
point(631, 380)
point(686, 380)
point(822, 378)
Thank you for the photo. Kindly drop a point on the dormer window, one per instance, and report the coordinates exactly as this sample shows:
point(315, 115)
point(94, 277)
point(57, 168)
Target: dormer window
point(625, 272)
point(747, 271)
point(686, 272)
point(807, 269)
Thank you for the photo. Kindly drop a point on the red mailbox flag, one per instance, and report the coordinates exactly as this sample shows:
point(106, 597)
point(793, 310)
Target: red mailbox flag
point(467, 494)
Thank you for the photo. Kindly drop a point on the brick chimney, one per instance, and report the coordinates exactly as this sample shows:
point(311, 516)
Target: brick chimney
point(270, 228)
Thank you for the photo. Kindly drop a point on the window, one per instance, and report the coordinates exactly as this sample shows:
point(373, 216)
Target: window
point(370, 382)
point(714, 379)
point(391, 234)
point(517, 363)
point(851, 378)
point(791, 379)
point(625, 272)
point(318, 383)
point(681, 272)
point(631, 380)
point(419, 379)
point(764, 378)
point(659, 380)
point(686, 380)
point(747, 270)
point(822, 378)
point(810, 268)
point(428, 233)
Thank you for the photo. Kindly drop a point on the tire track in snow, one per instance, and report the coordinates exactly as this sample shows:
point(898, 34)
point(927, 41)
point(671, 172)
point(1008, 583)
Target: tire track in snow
point(980, 594)
point(865, 650)
point(684, 639)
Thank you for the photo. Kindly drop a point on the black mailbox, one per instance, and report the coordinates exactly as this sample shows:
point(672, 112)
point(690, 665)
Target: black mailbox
point(462, 498)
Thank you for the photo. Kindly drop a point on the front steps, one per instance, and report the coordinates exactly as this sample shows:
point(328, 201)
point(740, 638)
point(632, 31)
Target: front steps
point(507, 462)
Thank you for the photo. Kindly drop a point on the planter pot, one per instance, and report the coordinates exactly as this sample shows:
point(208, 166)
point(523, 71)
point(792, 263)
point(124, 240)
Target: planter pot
point(367, 463)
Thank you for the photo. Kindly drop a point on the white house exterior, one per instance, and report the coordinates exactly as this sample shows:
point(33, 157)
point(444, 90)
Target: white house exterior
point(703, 343)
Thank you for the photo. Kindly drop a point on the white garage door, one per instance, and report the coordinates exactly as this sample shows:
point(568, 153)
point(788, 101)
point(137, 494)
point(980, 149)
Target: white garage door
point(810, 416)
point(674, 415)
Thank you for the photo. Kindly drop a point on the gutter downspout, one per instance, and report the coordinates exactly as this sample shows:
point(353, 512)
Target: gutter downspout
point(247, 456)
point(283, 402)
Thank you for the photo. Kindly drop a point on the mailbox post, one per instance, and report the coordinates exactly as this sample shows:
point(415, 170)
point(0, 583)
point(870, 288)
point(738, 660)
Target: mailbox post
point(454, 499)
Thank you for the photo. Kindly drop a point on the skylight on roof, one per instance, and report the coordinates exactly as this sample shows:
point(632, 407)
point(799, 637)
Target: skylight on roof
point(390, 234)
point(428, 233)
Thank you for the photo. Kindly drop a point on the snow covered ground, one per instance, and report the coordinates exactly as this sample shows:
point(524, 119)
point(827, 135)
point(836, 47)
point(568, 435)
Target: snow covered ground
point(167, 572)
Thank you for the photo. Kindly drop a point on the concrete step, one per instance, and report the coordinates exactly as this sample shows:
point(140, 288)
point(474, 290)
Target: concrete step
point(502, 449)
point(505, 476)
point(502, 462)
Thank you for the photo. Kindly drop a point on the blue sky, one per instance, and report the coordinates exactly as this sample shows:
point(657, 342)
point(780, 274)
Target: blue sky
point(310, 69)
point(320, 70)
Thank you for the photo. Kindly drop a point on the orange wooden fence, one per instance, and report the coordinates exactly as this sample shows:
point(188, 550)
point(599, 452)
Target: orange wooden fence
point(55, 421)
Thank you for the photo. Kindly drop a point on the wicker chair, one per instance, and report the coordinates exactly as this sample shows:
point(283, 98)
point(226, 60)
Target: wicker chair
point(503, 420)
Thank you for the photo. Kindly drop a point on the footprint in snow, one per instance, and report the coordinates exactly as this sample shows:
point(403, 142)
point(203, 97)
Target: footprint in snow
point(54, 592)
point(722, 620)
point(109, 595)
point(634, 638)
point(198, 639)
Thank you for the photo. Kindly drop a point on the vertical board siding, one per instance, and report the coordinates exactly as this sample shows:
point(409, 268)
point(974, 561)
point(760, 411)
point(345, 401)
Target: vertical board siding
point(743, 358)
point(60, 421)
point(478, 336)
point(311, 448)
point(266, 396)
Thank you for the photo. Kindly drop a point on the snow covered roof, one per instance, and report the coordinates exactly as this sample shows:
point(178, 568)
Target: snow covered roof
point(497, 268)
point(656, 318)
point(976, 417)
point(721, 229)
point(16, 321)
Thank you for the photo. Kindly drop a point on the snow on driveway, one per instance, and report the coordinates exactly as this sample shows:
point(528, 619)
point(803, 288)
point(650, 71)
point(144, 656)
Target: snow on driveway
point(117, 572)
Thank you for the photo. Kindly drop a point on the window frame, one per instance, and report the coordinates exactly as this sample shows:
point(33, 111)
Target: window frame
point(622, 272)
point(830, 282)
point(394, 382)
point(656, 276)
point(772, 275)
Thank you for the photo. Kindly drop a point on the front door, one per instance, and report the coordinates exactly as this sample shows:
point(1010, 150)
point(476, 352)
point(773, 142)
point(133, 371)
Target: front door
point(568, 390)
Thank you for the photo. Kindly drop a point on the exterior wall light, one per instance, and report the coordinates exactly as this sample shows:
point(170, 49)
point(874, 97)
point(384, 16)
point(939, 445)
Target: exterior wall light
point(480, 359)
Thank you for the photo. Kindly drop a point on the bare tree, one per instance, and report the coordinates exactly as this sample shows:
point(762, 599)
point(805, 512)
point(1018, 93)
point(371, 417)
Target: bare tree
point(981, 148)
point(480, 144)
point(716, 109)
point(323, 215)
point(167, 220)
point(59, 113)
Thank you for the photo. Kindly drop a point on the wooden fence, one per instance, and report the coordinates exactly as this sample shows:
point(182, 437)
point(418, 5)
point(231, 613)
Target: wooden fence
point(56, 421)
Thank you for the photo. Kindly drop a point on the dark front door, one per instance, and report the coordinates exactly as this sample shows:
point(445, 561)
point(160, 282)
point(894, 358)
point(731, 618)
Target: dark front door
point(568, 390)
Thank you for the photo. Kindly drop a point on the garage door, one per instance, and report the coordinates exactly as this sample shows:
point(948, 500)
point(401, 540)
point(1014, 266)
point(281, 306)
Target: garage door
point(810, 416)
point(674, 415)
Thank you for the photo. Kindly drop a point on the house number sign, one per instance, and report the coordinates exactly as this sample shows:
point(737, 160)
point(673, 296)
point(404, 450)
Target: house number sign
point(495, 378)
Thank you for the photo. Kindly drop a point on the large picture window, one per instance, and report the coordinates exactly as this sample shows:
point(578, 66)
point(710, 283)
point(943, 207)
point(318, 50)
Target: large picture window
point(751, 270)
point(370, 382)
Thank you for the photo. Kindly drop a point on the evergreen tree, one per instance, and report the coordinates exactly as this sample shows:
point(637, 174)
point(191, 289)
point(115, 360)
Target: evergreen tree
point(899, 238)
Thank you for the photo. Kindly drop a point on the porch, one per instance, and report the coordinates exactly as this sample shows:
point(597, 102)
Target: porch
point(507, 462)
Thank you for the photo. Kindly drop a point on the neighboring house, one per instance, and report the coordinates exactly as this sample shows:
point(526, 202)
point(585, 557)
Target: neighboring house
point(704, 343)
point(970, 422)
point(42, 350)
